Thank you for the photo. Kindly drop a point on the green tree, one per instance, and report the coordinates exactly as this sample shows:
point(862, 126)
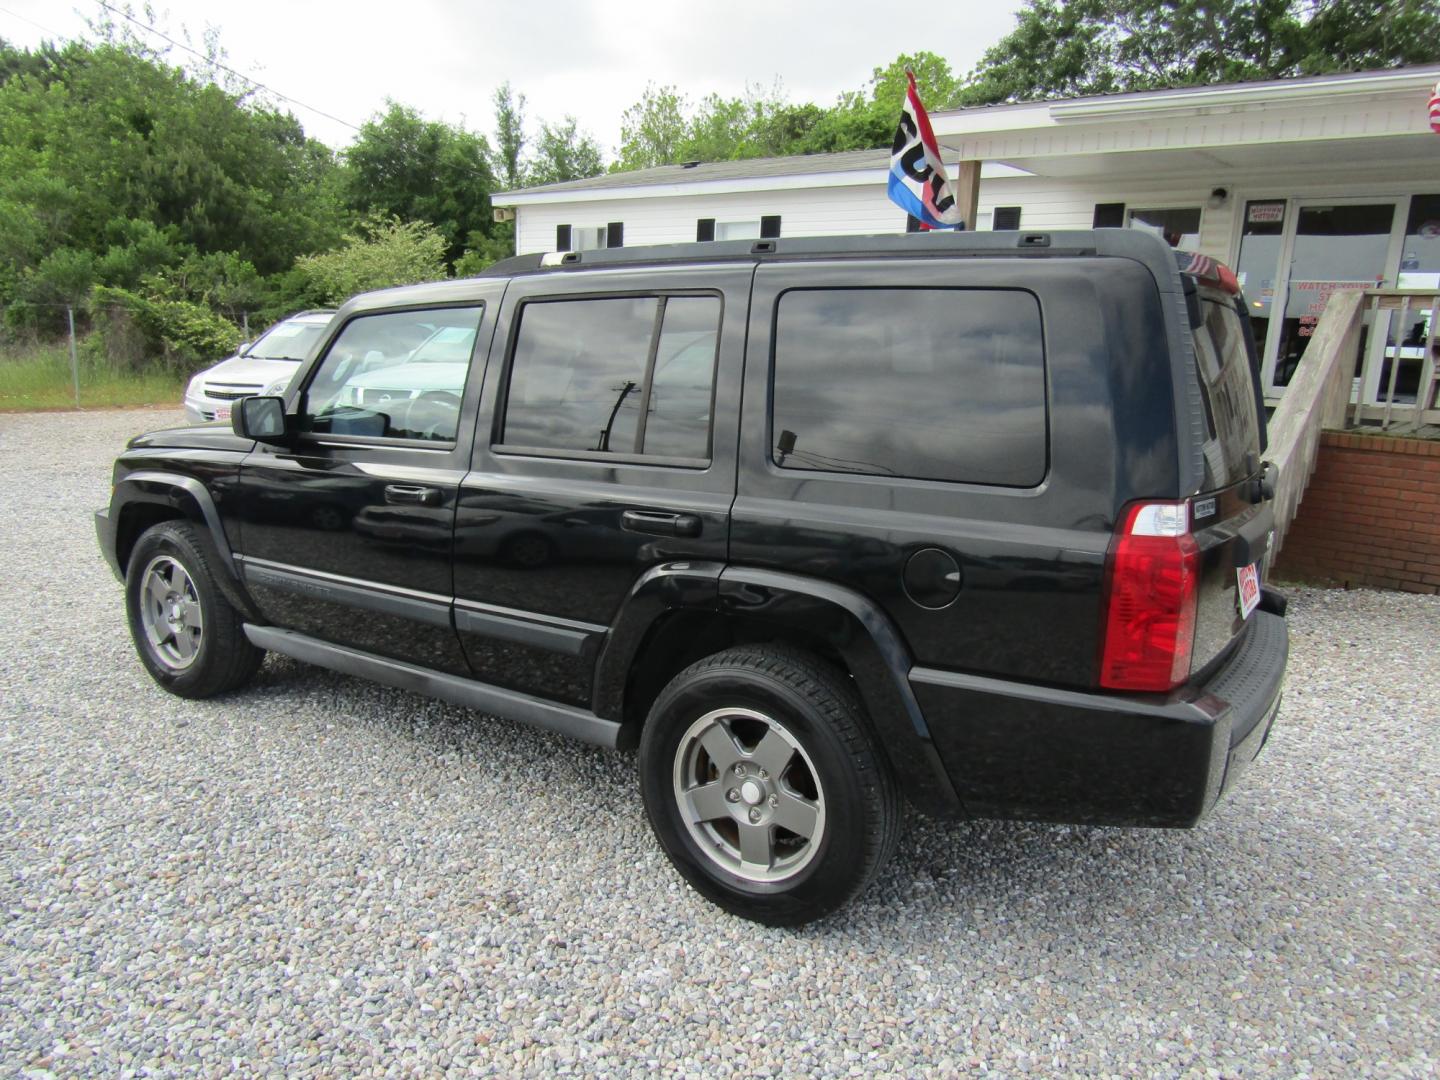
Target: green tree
point(1065, 48)
point(1355, 35)
point(487, 251)
point(119, 137)
point(383, 251)
point(653, 130)
point(662, 129)
point(563, 152)
point(415, 169)
point(65, 276)
point(509, 136)
point(866, 119)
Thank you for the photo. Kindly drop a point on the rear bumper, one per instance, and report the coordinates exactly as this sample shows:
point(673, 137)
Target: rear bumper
point(1015, 750)
point(105, 535)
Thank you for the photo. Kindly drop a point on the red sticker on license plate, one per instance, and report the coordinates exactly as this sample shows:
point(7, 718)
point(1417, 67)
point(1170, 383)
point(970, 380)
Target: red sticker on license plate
point(1249, 580)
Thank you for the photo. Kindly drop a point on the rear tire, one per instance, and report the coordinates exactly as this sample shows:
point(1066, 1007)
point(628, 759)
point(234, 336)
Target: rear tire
point(765, 787)
point(188, 635)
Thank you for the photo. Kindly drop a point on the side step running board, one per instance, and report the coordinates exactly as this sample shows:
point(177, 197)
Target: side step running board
point(566, 719)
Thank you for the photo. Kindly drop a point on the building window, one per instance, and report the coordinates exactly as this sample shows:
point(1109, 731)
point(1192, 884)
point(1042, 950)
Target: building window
point(587, 237)
point(627, 376)
point(737, 230)
point(1261, 238)
point(1420, 255)
point(770, 227)
point(1110, 215)
point(1180, 228)
point(704, 229)
point(932, 384)
point(1006, 218)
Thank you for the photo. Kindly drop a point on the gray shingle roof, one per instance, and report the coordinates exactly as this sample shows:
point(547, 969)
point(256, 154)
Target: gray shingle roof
point(750, 168)
point(861, 160)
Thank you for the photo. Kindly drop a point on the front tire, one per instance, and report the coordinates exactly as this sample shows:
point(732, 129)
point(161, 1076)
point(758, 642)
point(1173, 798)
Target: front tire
point(187, 633)
point(764, 786)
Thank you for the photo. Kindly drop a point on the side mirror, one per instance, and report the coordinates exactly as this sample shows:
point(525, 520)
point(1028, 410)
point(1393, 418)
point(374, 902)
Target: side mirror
point(260, 418)
point(244, 348)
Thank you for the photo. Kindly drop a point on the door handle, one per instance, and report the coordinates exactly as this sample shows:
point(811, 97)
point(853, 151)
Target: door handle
point(411, 495)
point(660, 524)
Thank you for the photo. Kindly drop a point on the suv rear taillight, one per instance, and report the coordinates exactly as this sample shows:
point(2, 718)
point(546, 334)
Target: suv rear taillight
point(1150, 579)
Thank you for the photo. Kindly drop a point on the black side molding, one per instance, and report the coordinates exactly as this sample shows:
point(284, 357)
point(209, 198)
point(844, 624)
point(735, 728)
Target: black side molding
point(568, 639)
point(419, 609)
point(564, 719)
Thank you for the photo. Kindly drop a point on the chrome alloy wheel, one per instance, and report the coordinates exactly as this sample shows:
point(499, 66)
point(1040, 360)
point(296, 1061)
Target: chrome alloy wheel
point(170, 613)
point(749, 794)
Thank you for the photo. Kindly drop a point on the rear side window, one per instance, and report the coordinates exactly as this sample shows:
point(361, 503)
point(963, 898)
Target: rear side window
point(932, 384)
point(1227, 384)
point(627, 376)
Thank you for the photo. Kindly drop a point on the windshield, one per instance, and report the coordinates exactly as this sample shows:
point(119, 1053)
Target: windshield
point(448, 345)
point(1227, 383)
point(289, 340)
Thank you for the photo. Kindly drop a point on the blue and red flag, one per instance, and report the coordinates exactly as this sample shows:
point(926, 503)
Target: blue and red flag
point(918, 182)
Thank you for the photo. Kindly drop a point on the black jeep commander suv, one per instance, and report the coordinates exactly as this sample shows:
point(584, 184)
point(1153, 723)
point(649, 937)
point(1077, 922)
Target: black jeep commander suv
point(977, 521)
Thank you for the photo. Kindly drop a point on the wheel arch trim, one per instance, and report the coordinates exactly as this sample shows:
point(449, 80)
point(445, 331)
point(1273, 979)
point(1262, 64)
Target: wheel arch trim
point(661, 590)
point(877, 657)
point(197, 491)
point(856, 628)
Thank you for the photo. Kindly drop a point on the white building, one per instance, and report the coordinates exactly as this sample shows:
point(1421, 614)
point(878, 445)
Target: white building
point(1305, 186)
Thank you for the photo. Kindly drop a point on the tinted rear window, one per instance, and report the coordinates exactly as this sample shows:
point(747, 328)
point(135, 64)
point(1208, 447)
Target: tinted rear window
point(933, 384)
point(615, 375)
point(1227, 383)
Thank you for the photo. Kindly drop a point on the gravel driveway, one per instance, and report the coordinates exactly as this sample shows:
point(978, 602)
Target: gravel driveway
point(323, 877)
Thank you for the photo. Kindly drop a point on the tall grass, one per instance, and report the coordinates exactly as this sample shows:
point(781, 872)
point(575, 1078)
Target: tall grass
point(38, 376)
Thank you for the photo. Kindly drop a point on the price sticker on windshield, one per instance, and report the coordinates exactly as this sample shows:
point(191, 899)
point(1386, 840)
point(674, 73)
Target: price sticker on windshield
point(1249, 589)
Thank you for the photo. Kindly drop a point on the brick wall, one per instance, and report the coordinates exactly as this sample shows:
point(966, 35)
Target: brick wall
point(1371, 515)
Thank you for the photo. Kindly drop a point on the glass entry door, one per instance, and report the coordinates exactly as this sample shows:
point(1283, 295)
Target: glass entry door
point(1328, 247)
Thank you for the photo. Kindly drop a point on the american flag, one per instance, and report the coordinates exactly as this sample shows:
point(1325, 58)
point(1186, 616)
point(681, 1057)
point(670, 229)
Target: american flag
point(1435, 109)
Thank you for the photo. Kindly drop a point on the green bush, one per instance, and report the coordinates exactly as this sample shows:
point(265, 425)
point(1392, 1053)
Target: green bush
point(172, 333)
point(383, 251)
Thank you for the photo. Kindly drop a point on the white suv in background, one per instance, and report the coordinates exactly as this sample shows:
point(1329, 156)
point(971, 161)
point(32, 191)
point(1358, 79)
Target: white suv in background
point(264, 366)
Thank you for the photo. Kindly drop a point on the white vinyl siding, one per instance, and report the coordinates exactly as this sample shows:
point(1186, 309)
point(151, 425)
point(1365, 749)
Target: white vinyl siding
point(1047, 203)
point(840, 211)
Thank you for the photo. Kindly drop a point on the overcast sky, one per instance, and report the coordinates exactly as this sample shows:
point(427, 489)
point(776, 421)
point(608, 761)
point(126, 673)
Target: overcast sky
point(589, 58)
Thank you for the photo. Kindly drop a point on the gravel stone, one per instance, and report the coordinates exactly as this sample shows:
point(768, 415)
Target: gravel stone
point(323, 877)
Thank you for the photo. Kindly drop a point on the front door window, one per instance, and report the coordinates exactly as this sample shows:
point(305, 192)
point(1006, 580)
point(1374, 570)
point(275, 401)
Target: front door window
point(1261, 240)
point(1337, 248)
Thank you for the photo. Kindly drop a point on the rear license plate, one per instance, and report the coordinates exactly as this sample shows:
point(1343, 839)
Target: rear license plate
point(1249, 580)
point(222, 412)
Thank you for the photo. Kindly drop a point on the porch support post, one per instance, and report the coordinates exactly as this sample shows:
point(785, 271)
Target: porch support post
point(967, 191)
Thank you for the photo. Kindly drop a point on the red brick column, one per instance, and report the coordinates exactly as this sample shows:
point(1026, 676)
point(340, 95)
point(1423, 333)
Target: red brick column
point(1371, 515)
